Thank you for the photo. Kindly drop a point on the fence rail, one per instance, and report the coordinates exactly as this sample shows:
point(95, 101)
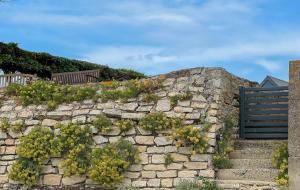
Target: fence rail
point(22, 79)
point(264, 113)
point(79, 77)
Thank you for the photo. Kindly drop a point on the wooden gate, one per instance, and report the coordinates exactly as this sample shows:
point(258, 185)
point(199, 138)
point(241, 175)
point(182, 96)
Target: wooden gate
point(264, 113)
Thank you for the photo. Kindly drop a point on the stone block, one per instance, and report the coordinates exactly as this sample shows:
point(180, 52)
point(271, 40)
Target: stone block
point(180, 109)
point(179, 157)
point(49, 122)
point(144, 140)
point(72, 180)
point(100, 139)
point(167, 183)
point(167, 174)
point(129, 106)
point(153, 183)
point(155, 167)
point(152, 150)
point(196, 165)
point(52, 179)
point(163, 141)
point(135, 116)
point(148, 174)
point(189, 174)
point(132, 175)
point(158, 158)
point(163, 105)
point(139, 183)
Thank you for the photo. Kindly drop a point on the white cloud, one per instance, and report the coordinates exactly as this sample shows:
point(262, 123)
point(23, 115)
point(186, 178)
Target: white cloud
point(270, 65)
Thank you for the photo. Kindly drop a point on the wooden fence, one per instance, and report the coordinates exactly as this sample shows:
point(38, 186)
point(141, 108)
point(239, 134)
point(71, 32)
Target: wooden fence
point(79, 77)
point(22, 79)
point(264, 113)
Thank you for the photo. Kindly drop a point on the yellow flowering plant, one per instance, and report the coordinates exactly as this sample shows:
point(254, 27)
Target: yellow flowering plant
point(124, 125)
point(192, 136)
point(280, 161)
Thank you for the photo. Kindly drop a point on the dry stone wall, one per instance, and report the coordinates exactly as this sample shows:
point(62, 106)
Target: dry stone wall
point(214, 94)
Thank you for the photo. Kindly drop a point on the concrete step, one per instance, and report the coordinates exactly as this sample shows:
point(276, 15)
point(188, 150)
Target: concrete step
point(261, 144)
point(251, 163)
point(248, 174)
point(251, 153)
point(245, 185)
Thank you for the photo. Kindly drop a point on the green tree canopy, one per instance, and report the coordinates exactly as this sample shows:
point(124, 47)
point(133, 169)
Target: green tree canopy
point(14, 59)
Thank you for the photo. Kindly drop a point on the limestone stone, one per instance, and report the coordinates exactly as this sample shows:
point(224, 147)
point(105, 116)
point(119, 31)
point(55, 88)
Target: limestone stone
point(201, 157)
point(144, 108)
point(139, 183)
point(168, 81)
point(207, 173)
point(6, 108)
point(131, 131)
point(199, 105)
point(107, 105)
point(155, 167)
point(113, 112)
point(14, 134)
point(72, 180)
point(130, 139)
point(144, 158)
point(155, 149)
point(175, 166)
point(187, 173)
point(99, 139)
point(95, 112)
point(114, 139)
point(130, 106)
point(80, 112)
point(167, 174)
point(143, 132)
point(48, 169)
point(59, 114)
point(28, 130)
point(179, 157)
point(153, 183)
point(115, 131)
point(148, 174)
point(212, 113)
point(79, 119)
point(3, 178)
point(10, 150)
point(211, 120)
point(25, 114)
point(158, 158)
point(183, 109)
point(132, 175)
point(2, 169)
point(56, 161)
point(49, 122)
point(163, 105)
point(135, 168)
point(185, 150)
point(169, 149)
point(163, 141)
point(31, 122)
point(132, 115)
point(192, 115)
point(3, 135)
point(145, 140)
point(185, 103)
point(196, 165)
point(64, 108)
point(199, 98)
point(167, 182)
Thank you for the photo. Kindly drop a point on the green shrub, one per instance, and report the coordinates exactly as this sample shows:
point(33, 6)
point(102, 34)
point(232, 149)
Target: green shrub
point(192, 136)
point(159, 121)
point(103, 124)
point(224, 146)
point(4, 125)
point(52, 94)
point(125, 125)
point(17, 127)
point(150, 98)
point(196, 185)
point(25, 171)
point(35, 146)
point(111, 161)
point(168, 159)
point(180, 97)
point(280, 161)
point(73, 143)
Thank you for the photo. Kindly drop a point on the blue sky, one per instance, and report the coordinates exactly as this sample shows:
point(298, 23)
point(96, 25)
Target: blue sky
point(250, 38)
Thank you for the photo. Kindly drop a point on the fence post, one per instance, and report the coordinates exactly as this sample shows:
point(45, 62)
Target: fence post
point(242, 112)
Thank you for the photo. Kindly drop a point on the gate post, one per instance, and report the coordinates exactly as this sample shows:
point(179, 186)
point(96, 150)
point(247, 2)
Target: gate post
point(242, 112)
point(294, 125)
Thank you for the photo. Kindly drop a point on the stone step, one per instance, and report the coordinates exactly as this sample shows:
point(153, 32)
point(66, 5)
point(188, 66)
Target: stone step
point(248, 174)
point(251, 163)
point(261, 144)
point(251, 153)
point(245, 185)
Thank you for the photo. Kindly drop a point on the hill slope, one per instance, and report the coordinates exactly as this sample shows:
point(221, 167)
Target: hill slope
point(13, 58)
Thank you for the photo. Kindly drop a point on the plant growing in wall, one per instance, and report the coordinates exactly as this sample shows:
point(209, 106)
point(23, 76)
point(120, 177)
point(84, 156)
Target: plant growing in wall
point(180, 97)
point(32, 151)
point(192, 136)
point(103, 124)
point(110, 162)
point(73, 142)
point(224, 146)
point(280, 161)
point(159, 121)
point(124, 125)
point(4, 125)
point(168, 159)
